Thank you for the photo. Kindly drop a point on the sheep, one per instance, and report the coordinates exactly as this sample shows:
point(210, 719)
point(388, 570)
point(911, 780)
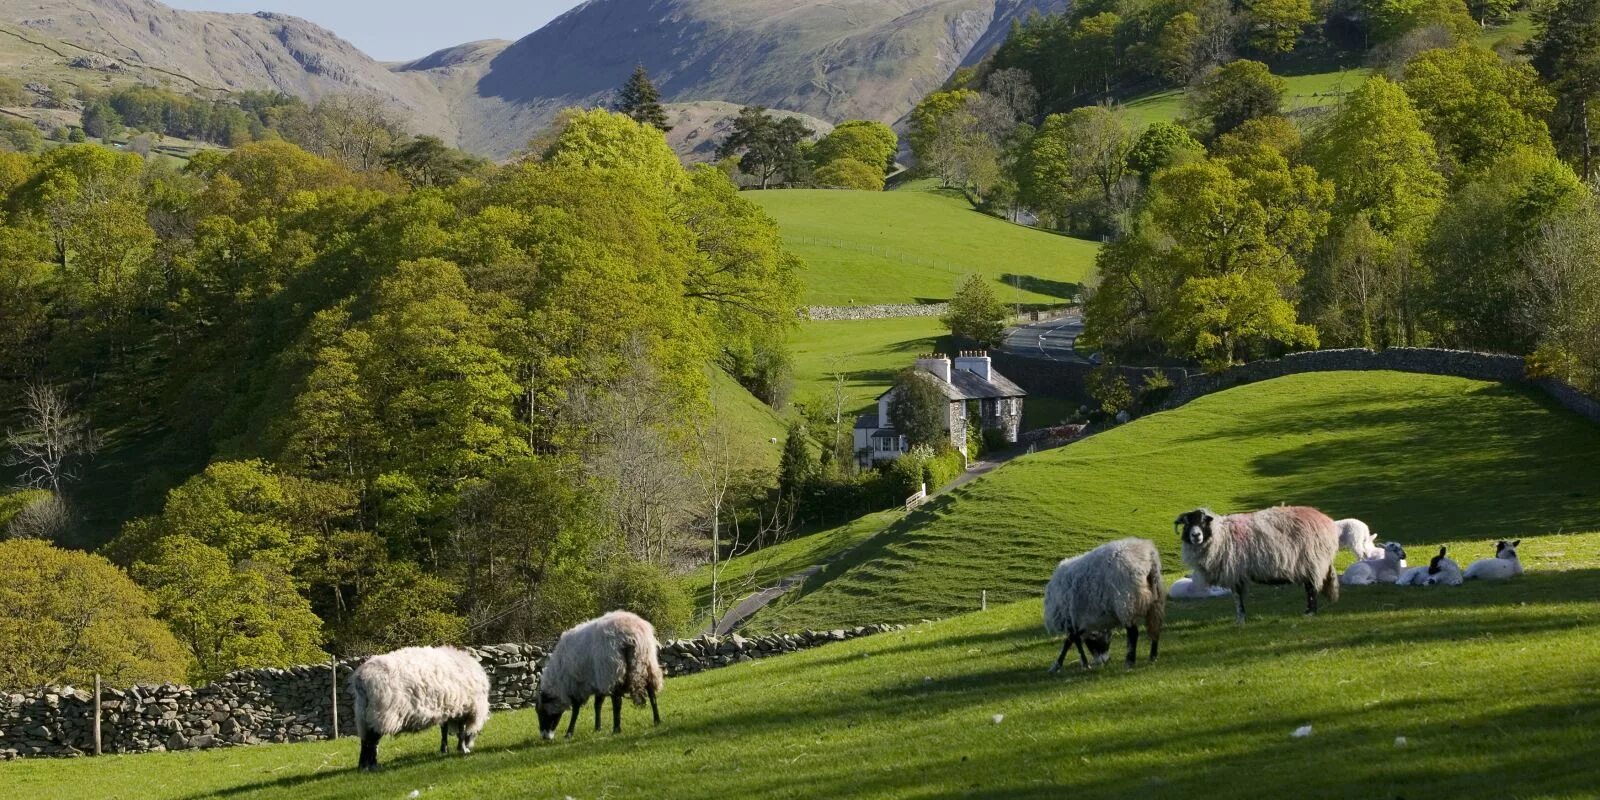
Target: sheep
point(1376, 570)
point(1443, 571)
point(415, 688)
point(1504, 565)
point(1355, 536)
point(611, 655)
point(1114, 585)
point(1284, 544)
point(1194, 587)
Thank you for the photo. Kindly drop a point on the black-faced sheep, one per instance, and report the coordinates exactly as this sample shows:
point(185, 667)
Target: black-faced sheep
point(1377, 570)
point(416, 688)
point(611, 655)
point(1505, 563)
point(1115, 585)
point(1284, 544)
point(1443, 571)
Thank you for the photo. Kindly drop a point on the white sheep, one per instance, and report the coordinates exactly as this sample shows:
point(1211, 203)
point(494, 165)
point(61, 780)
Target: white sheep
point(1377, 570)
point(1194, 587)
point(1443, 571)
point(1115, 585)
point(1355, 536)
point(416, 688)
point(1283, 544)
point(1504, 565)
point(614, 655)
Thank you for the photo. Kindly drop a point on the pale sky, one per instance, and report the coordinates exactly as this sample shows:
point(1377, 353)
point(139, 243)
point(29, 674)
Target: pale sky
point(402, 30)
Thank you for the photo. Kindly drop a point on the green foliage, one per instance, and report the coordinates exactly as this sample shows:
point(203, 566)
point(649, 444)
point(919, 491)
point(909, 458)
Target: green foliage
point(1110, 389)
point(1162, 145)
point(1566, 52)
point(1381, 160)
point(1276, 24)
point(767, 147)
point(20, 136)
point(76, 135)
point(641, 101)
point(101, 121)
point(1073, 169)
point(975, 313)
point(426, 161)
point(1391, 19)
point(943, 467)
point(1236, 93)
point(848, 173)
point(66, 615)
point(919, 410)
point(647, 590)
point(865, 141)
point(1477, 107)
point(11, 92)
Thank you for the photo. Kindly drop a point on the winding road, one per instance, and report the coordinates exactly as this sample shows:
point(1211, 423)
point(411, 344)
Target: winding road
point(1052, 339)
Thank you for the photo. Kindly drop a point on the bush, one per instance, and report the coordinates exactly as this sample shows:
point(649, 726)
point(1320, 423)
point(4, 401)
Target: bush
point(942, 468)
point(906, 473)
point(1110, 389)
point(1154, 389)
point(647, 590)
point(994, 439)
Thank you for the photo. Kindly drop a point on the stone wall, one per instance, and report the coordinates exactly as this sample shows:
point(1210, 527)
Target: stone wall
point(832, 313)
point(295, 704)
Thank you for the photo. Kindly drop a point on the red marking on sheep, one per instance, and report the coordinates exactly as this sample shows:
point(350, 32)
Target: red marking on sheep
point(1239, 525)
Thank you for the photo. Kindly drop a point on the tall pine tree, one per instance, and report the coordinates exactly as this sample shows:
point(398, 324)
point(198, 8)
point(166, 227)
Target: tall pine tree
point(640, 99)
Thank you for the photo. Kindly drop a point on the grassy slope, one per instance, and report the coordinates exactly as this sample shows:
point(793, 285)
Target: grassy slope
point(915, 245)
point(1426, 460)
point(1482, 680)
point(750, 424)
point(743, 575)
point(1316, 90)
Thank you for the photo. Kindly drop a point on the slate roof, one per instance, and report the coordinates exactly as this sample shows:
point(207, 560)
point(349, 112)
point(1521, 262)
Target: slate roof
point(867, 422)
point(966, 385)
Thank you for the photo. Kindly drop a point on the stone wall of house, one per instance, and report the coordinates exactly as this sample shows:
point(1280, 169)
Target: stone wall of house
point(295, 704)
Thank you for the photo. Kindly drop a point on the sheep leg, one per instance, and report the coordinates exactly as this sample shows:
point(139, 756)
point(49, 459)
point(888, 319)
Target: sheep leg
point(369, 752)
point(616, 711)
point(650, 690)
point(1155, 645)
point(1133, 645)
point(599, 703)
point(1066, 645)
point(577, 708)
point(1238, 604)
point(444, 738)
point(1083, 657)
point(1311, 599)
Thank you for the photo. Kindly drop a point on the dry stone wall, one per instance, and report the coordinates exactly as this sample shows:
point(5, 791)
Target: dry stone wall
point(834, 313)
point(295, 704)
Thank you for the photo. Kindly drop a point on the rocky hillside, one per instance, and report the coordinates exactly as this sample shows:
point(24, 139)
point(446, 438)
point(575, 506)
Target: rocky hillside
point(829, 59)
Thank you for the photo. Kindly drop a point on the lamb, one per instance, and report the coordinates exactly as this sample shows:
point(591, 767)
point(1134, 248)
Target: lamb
point(1117, 584)
point(611, 655)
point(1504, 565)
point(416, 688)
point(1441, 571)
point(1284, 544)
point(1377, 570)
point(1355, 536)
point(1194, 587)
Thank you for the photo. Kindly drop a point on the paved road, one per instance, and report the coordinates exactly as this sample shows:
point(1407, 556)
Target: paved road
point(1052, 339)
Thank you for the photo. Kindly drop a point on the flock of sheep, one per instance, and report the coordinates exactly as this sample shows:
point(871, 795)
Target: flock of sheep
point(417, 688)
point(1118, 584)
point(1115, 585)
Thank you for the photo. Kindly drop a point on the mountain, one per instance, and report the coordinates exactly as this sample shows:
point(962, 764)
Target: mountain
point(829, 59)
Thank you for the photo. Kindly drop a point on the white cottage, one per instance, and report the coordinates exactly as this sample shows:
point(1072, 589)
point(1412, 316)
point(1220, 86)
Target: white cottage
point(970, 379)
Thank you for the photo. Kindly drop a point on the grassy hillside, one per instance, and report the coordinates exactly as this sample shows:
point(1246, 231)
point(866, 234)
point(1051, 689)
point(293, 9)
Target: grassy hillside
point(1425, 460)
point(751, 425)
point(914, 245)
point(1481, 680)
point(867, 352)
point(1316, 90)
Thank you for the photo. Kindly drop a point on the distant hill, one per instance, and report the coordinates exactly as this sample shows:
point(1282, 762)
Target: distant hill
point(828, 59)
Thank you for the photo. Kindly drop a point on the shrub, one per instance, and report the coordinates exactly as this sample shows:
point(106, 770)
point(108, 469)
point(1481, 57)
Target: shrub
point(994, 439)
point(906, 473)
point(1110, 389)
point(647, 590)
point(942, 468)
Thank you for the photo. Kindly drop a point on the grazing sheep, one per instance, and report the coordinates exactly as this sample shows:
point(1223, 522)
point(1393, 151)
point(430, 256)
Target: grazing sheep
point(611, 655)
point(1377, 570)
point(1115, 585)
point(1284, 544)
point(1355, 536)
point(1194, 587)
point(415, 688)
point(1505, 563)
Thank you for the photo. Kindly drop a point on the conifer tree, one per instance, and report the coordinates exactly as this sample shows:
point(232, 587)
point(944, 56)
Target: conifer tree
point(641, 100)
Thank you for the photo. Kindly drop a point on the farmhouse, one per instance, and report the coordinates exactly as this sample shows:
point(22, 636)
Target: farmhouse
point(978, 396)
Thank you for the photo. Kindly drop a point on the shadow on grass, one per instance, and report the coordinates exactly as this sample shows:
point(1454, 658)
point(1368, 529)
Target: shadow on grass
point(1065, 290)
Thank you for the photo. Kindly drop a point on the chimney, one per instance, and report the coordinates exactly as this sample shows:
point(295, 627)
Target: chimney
point(974, 361)
point(936, 364)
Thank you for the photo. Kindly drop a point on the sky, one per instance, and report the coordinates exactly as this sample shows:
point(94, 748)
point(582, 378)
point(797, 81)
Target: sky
point(402, 30)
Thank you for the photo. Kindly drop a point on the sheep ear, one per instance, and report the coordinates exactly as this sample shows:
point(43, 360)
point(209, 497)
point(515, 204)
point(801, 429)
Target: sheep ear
point(1517, 543)
point(1441, 552)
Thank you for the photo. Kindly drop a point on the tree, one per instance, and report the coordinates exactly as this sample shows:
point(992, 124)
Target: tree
point(101, 121)
point(1233, 94)
point(1175, 46)
point(1566, 51)
point(1560, 297)
point(11, 92)
point(872, 143)
point(1389, 20)
point(797, 468)
point(66, 615)
point(919, 410)
point(53, 441)
point(1163, 144)
point(1477, 107)
point(427, 161)
point(640, 100)
point(1276, 24)
point(975, 313)
point(1381, 160)
point(355, 130)
point(848, 173)
point(1014, 89)
point(944, 135)
point(1094, 41)
point(766, 146)
point(1075, 167)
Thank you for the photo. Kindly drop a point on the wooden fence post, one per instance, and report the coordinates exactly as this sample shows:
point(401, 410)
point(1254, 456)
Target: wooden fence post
point(333, 670)
point(985, 601)
point(97, 713)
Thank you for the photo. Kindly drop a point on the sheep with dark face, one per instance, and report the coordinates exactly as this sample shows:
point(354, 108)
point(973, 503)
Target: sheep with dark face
point(1503, 566)
point(1115, 585)
point(1284, 544)
point(1440, 571)
point(612, 655)
point(416, 688)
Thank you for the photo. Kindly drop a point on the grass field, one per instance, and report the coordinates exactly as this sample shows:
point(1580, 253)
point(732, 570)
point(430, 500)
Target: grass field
point(1492, 685)
point(743, 575)
point(750, 424)
point(1425, 460)
point(916, 244)
point(1316, 90)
